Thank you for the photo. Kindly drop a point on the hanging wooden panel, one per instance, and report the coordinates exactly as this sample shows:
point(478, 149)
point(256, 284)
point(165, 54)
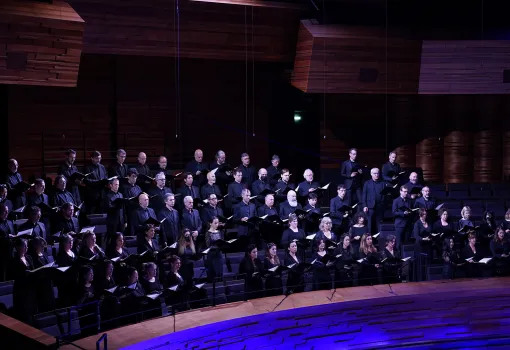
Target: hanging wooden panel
point(506, 156)
point(406, 156)
point(458, 157)
point(487, 156)
point(429, 157)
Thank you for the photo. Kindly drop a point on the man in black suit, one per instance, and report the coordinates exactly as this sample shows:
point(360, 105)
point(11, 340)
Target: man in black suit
point(190, 218)
point(119, 168)
point(373, 200)
point(115, 214)
point(391, 169)
point(187, 189)
point(243, 212)
point(198, 168)
point(351, 172)
point(403, 216)
point(170, 229)
point(95, 189)
point(249, 172)
point(425, 201)
point(338, 217)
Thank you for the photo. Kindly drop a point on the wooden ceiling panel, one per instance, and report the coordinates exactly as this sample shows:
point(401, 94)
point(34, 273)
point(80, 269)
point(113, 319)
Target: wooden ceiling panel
point(340, 54)
point(40, 43)
point(464, 67)
point(203, 30)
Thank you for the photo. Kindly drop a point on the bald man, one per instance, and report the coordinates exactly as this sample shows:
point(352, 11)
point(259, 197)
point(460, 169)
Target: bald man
point(223, 177)
point(191, 218)
point(413, 183)
point(198, 168)
point(143, 170)
point(140, 216)
point(210, 187)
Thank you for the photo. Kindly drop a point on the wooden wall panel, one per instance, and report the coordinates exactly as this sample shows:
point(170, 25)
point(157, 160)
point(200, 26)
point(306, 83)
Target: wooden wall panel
point(339, 52)
point(117, 105)
point(487, 156)
point(464, 67)
point(211, 31)
point(46, 121)
point(40, 43)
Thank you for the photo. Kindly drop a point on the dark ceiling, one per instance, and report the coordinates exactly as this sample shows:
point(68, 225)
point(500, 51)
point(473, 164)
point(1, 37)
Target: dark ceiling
point(462, 19)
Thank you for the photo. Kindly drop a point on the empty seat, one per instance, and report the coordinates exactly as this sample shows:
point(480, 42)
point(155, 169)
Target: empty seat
point(437, 187)
point(6, 294)
point(453, 205)
point(440, 194)
point(234, 290)
point(481, 186)
point(56, 323)
point(481, 194)
point(458, 194)
point(458, 187)
point(97, 219)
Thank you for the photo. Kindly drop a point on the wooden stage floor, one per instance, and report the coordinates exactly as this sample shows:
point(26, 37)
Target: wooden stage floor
point(125, 336)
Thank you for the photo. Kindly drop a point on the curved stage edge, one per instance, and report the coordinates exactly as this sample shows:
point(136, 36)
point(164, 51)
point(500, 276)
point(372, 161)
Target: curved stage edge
point(422, 315)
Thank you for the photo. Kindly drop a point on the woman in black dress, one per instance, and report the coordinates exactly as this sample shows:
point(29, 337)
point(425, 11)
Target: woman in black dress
point(175, 281)
point(325, 232)
point(273, 283)
point(391, 261)
point(295, 278)
point(292, 232)
point(115, 247)
point(500, 249)
point(486, 232)
point(474, 254)
point(45, 296)
point(66, 283)
point(251, 268)
point(371, 272)
point(214, 261)
point(148, 243)
point(89, 248)
point(445, 227)
point(85, 293)
point(321, 271)
point(451, 257)
point(344, 265)
point(186, 250)
point(23, 292)
point(357, 230)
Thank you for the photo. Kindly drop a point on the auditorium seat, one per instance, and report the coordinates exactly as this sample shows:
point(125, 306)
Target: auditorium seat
point(234, 290)
point(458, 194)
point(496, 206)
point(440, 195)
point(56, 323)
point(453, 205)
point(477, 207)
point(6, 295)
point(458, 187)
point(437, 187)
point(481, 194)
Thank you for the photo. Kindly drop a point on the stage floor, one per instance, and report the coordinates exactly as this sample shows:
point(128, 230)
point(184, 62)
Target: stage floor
point(427, 297)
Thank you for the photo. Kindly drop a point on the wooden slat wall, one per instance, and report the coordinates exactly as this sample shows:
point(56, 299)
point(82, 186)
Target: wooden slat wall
point(339, 52)
point(427, 135)
point(464, 67)
point(212, 31)
point(115, 100)
point(45, 121)
point(46, 37)
point(258, 3)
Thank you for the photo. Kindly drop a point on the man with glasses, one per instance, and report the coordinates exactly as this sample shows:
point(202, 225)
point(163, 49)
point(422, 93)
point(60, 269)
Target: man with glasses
point(211, 209)
point(157, 192)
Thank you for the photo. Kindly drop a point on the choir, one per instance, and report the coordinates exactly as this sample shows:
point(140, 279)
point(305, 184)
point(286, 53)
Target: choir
point(50, 241)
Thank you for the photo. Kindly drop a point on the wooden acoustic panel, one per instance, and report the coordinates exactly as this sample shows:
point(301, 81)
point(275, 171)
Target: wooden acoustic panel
point(197, 30)
point(40, 43)
point(464, 67)
point(361, 60)
point(258, 3)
